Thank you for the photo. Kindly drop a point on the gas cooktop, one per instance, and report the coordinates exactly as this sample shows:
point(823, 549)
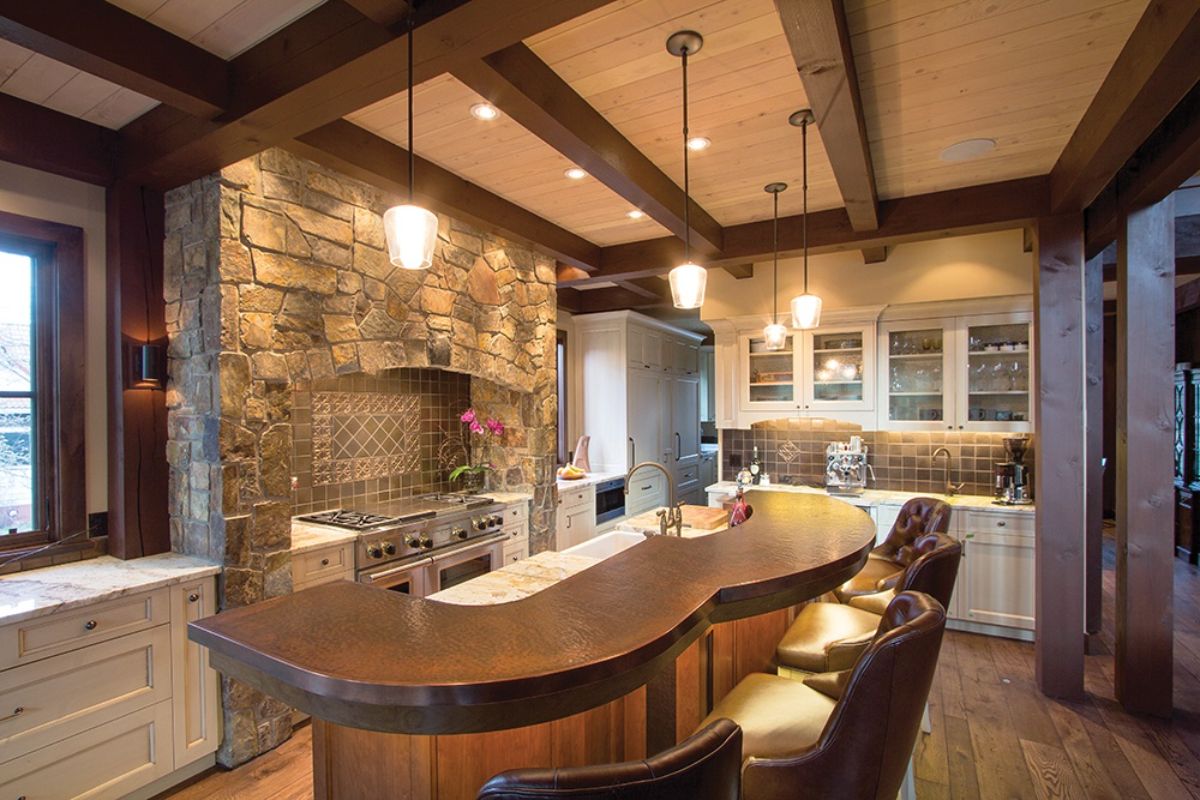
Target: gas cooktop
point(399, 512)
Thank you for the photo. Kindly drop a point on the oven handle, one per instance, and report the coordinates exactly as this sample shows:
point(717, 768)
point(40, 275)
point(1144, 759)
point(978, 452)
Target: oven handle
point(471, 545)
point(374, 577)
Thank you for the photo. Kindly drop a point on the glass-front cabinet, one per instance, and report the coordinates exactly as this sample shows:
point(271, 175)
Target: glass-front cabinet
point(770, 376)
point(839, 369)
point(968, 373)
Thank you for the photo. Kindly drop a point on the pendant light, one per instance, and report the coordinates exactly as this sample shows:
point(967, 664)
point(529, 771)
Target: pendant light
point(688, 280)
point(775, 334)
point(806, 308)
point(410, 230)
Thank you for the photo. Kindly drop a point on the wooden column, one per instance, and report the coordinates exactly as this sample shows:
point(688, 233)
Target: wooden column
point(137, 418)
point(1145, 484)
point(1093, 475)
point(1059, 453)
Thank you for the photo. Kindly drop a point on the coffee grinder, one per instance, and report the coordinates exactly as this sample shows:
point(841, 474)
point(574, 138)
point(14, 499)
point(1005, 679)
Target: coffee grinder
point(1014, 482)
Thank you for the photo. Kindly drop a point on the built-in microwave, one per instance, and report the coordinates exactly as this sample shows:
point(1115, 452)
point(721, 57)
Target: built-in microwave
point(610, 500)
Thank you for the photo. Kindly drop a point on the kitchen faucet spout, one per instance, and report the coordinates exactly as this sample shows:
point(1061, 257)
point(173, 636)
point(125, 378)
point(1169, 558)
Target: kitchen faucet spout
point(671, 517)
point(951, 488)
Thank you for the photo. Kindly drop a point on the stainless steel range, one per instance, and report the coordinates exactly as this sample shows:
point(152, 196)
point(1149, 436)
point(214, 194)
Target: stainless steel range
point(424, 544)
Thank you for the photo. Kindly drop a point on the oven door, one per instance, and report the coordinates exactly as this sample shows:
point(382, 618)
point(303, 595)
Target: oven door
point(459, 566)
point(408, 578)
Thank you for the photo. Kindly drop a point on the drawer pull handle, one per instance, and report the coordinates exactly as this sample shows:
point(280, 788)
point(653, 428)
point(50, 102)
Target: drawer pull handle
point(1001, 524)
point(18, 711)
point(324, 562)
point(193, 597)
point(90, 625)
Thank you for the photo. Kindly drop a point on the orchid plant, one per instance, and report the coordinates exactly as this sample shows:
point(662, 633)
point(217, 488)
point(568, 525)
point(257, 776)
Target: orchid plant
point(487, 431)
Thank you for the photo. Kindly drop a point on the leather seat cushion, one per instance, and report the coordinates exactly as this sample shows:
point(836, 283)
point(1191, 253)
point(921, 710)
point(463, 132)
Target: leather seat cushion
point(778, 716)
point(867, 581)
point(807, 644)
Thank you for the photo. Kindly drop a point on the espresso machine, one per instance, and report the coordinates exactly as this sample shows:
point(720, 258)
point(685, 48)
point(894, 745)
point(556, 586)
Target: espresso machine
point(1014, 481)
point(846, 467)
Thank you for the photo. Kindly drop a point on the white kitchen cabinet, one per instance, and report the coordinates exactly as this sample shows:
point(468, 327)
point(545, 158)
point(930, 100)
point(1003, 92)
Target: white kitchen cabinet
point(323, 565)
point(575, 516)
point(996, 583)
point(196, 687)
point(647, 430)
point(768, 377)
point(684, 439)
point(708, 469)
point(838, 369)
point(516, 528)
point(916, 375)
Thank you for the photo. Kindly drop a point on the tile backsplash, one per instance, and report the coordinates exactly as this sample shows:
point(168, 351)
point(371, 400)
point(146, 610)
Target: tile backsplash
point(364, 439)
point(901, 460)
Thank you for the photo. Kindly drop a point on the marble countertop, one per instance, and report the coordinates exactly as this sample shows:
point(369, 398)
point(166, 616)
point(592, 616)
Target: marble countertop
point(880, 497)
point(508, 498)
point(306, 536)
point(588, 480)
point(38, 592)
point(515, 581)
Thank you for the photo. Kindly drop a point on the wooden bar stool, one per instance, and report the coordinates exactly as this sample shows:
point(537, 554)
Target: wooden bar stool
point(706, 766)
point(917, 517)
point(847, 734)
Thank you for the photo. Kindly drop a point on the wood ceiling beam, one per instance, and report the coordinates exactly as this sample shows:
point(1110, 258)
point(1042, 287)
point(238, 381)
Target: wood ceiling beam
point(329, 63)
point(108, 42)
point(740, 271)
point(957, 212)
point(594, 301)
point(383, 12)
point(525, 88)
point(1152, 73)
point(360, 154)
point(40, 138)
point(820, 43)
point(875, 255)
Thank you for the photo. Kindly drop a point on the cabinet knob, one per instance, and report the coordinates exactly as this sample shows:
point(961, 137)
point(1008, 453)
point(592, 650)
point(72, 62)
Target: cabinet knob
point(16, 712)
point(1001, 524)
point(90, 625)
point(193, 597)
point(324, 562)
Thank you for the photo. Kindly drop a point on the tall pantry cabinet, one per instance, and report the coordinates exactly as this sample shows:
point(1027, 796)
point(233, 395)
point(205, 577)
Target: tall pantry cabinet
point(640, 386)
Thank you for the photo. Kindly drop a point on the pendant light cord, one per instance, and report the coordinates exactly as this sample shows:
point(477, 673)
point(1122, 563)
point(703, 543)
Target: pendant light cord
point(775, 245)
point(412, 170)
point(804, 192)
point(687, 226)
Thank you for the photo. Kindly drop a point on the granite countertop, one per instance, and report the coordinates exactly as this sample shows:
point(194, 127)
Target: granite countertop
point(39, 592)
point(515, 581)
point(508, 498)
point(880, 497)
point(306, 536)
point(590, 479)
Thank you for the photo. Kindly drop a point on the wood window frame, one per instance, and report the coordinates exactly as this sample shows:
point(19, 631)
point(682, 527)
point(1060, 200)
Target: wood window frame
point(59, 359)
point(563, 389)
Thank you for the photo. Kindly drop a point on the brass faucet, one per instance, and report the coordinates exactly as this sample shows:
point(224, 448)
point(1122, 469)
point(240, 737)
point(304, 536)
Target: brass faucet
point(671, 516)
point(951, 488)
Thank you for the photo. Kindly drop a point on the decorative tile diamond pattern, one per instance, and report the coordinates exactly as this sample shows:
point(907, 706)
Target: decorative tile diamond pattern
point(364, 435)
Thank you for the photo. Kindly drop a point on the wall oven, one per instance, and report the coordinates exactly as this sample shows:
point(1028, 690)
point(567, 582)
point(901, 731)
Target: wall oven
point(464, 563)
point(610, 500)
point(408, 578)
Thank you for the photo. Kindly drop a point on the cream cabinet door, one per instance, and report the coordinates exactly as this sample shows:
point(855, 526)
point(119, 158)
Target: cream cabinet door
point(196, 686)
point(999, 586)
point(647, 417)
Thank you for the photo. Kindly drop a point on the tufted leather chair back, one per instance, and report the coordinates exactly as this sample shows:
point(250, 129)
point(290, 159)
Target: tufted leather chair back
point(935, 568)
point(919, 516)
point(706, 766)
point(863, 751)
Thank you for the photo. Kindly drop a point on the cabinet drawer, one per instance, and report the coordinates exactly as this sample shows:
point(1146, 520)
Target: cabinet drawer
point(999, 522)
point(514, 552)
point(27, 641)
point(687, 474)
point(332, 577)
point(108, 761)
point(327, 562)
point(514, 532)
point(518, 512)
point(61, 696)
point(574, 499)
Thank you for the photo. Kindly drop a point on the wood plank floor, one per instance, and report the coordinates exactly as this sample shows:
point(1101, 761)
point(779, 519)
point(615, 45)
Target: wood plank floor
point(994, 735)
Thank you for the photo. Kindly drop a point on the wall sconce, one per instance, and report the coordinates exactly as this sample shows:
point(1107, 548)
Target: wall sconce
point(146, 366)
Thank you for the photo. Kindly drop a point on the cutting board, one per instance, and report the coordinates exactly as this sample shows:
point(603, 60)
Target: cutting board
point(705, 518)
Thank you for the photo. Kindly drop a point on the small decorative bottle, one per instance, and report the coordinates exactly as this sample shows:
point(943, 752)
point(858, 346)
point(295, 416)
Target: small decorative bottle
point(755, 468)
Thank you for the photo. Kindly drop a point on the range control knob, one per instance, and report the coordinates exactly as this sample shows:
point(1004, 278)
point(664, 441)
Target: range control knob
point(480, 523)
point(496, 520)
point(458, 533)
point(374, 551)
point(413, 541)
point(426, 542)
point(389, 548)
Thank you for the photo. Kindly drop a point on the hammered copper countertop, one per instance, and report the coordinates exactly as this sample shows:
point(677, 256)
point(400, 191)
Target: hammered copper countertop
point(369, 658)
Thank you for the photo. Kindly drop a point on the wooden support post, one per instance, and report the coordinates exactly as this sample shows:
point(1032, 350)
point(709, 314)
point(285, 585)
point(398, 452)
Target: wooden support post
point(1059, 335)
point(138, 474)
point(1145, 486)
point(1093, 476)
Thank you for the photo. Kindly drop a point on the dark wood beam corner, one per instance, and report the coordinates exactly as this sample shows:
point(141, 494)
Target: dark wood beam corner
point(740, 271)
point(875, 255)
point(1028, 239)
point(820, 43)
point(1152, 73)
point(47, 140)
point(567, 272)
point(111, 43)
point(525, 88)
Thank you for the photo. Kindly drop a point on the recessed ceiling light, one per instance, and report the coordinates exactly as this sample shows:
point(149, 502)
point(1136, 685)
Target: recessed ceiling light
point(698, 143)
point(636, 213)
point(484, 111)
point(968, 149)
point(575, 174)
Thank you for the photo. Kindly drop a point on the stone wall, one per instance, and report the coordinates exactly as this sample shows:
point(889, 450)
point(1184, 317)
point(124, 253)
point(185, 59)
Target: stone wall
point(276, 274)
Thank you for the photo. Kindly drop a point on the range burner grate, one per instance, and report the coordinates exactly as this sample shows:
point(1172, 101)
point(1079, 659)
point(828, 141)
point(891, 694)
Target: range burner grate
point(355, 520)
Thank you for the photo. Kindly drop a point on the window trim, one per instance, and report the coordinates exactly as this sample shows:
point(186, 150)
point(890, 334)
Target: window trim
point(563, 388)
point(60, 363)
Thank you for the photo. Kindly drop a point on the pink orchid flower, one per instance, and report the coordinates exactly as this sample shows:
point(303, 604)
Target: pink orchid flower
point(475, 426)
point(468, 416)
point(495, 426)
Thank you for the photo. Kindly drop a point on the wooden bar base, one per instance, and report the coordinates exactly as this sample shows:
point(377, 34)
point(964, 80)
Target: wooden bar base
point(354, 763)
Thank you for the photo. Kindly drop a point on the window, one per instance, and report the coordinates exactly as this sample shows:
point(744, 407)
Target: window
point(41, 382)
point(563, 454)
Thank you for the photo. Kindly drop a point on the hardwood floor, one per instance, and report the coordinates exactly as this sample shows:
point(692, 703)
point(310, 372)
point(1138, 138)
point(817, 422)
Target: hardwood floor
point(994, 735)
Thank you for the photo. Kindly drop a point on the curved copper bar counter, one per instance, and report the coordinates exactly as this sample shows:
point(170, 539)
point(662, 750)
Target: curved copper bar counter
point(368, 658)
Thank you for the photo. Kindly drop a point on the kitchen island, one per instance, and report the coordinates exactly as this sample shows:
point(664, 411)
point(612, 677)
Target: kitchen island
point(615, 661)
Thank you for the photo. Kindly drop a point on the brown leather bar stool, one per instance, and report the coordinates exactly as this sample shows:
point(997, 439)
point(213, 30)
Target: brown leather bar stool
point(829, 636)
point(706, 766)
point(918, 516)
point(848, 734)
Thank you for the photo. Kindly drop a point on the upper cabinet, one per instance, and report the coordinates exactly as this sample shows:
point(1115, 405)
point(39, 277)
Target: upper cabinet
point(769, 377)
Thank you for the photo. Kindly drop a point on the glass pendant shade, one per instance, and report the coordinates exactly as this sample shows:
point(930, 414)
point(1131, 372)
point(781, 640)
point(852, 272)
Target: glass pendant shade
point(806, 311)
point(411, 233)
point(775, 336)
point(688, 282)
